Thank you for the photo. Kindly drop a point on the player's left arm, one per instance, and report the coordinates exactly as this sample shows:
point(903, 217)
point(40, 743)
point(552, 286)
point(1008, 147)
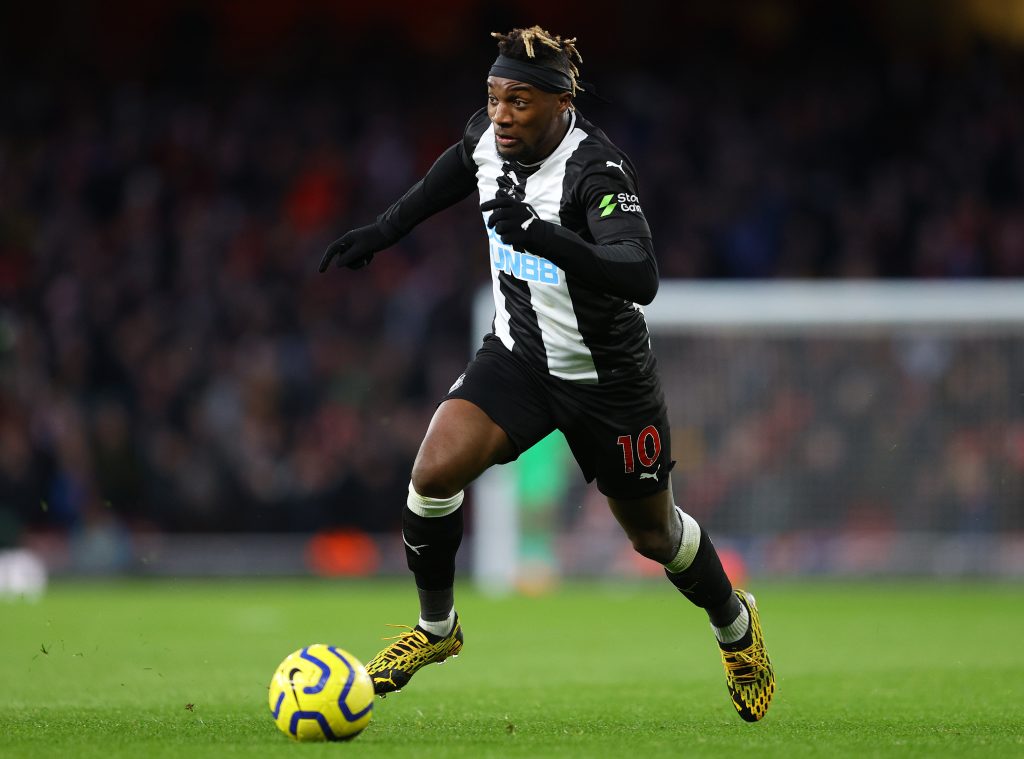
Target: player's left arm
point(619, 262)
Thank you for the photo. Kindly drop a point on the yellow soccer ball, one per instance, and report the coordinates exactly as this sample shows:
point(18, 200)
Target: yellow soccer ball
point(321, 693)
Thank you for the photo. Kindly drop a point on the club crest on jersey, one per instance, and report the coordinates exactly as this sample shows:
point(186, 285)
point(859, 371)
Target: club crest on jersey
point(519, 264)
point(623, 201)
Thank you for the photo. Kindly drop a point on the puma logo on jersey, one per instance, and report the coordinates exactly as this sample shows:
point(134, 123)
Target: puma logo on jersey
point(651, 475)
point(618, 165)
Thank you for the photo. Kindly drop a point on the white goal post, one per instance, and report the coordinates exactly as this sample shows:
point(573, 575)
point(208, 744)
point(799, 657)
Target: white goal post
point(756, 310)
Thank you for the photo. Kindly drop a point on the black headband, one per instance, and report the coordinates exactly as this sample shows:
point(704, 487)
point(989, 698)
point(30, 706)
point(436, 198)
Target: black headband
point(540, 77)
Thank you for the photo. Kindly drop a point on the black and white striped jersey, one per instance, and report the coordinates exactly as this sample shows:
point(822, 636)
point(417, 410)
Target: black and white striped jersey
point(550, 317)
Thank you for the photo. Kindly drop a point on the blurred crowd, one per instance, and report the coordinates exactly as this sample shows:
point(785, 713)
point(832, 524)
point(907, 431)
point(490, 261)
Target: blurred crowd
point(853, 434)
point(170, 358)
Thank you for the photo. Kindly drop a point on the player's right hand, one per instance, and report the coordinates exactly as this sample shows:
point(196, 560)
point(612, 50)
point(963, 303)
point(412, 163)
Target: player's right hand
point(355, 249)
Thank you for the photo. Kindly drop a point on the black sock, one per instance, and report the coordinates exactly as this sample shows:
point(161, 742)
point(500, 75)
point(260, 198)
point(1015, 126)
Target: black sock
point(725, 614)
point(435, 605)
point(430, 547)
point(705, 584)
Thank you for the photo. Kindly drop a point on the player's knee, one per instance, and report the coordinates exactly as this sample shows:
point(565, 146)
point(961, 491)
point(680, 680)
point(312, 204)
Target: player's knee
point(435, 481)
point(655, 545)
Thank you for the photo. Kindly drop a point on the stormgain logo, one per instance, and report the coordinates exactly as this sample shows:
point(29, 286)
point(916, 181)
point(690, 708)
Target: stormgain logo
point(624, 201)
point(524, 266)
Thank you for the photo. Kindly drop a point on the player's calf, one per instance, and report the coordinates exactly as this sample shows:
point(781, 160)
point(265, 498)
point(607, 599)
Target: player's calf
point(697, 572)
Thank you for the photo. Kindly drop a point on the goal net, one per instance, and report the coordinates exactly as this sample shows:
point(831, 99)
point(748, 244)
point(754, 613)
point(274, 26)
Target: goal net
point(817, 428)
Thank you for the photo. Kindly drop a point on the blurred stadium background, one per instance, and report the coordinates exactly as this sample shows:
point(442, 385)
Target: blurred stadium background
point(182, 394)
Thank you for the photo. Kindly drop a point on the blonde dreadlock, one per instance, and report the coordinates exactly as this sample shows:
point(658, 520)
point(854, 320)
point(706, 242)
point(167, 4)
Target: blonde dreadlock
point(543, 47)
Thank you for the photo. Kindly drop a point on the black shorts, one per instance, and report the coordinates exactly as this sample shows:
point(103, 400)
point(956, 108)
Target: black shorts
point(618, 432)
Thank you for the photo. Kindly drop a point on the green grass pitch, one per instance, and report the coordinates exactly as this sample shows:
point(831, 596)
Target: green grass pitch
point(180, 669)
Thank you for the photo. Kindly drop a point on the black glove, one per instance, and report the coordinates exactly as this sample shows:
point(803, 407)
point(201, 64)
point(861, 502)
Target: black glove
point(355, 249)
point(517, 224)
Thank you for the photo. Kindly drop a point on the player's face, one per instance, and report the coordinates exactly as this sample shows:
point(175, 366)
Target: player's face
point(528, 122)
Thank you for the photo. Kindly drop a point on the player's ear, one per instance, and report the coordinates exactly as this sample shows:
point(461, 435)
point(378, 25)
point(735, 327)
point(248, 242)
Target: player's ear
point(564, 102)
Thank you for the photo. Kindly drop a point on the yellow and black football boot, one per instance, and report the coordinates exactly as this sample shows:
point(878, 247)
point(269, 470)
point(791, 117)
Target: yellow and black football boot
point(393, 667)
point(748, 670)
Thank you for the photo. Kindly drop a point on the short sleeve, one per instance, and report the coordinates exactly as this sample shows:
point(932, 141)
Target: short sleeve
point(607, 191)
point(478, 123)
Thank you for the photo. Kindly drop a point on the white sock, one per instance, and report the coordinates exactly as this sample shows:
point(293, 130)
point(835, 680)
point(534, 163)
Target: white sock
point(433, 507)
point(688, 544)
point(444, 626)
point(733, 632)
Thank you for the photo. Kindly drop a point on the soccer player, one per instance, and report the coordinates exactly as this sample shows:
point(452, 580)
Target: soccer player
point(571, 259)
